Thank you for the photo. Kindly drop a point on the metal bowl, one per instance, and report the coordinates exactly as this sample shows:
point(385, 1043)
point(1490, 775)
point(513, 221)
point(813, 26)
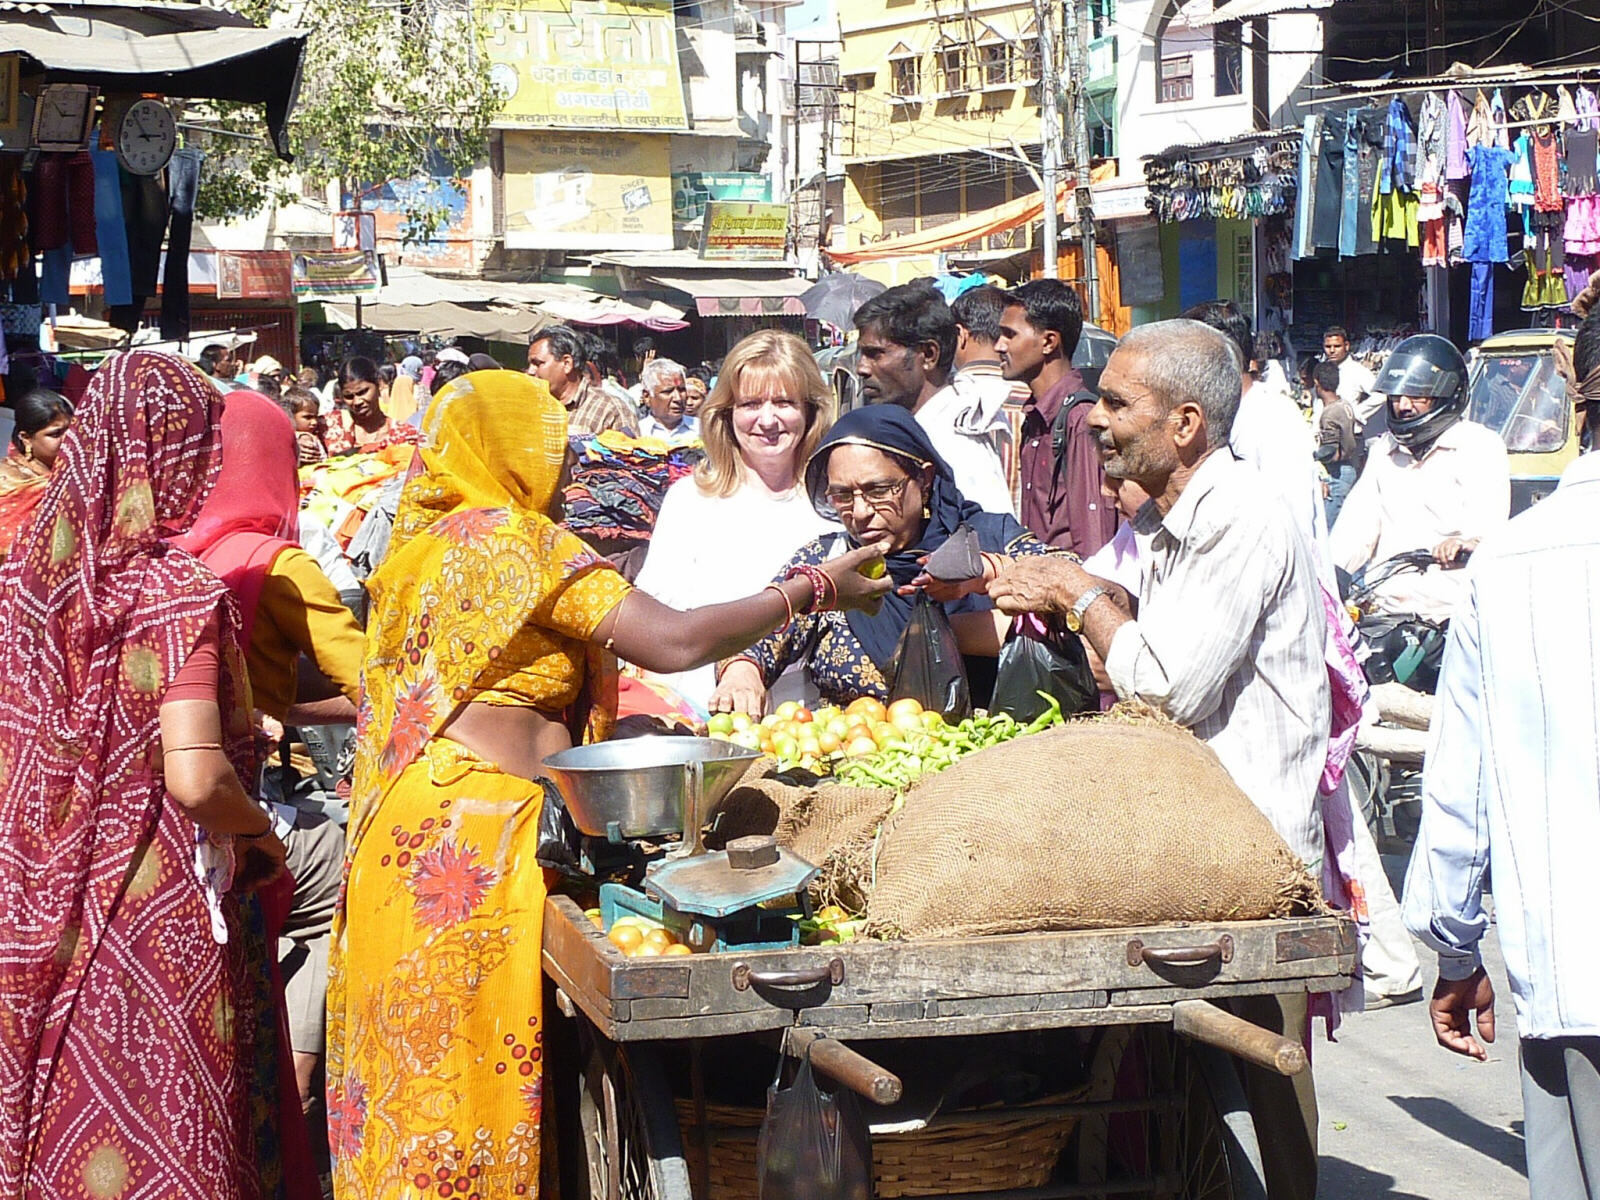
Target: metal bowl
point(644, 787)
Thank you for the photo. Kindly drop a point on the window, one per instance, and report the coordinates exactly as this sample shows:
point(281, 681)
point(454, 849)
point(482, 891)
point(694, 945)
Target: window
point(1101, 16)
point(1025, 61)
point(1176, 79)
point(953, 69)
point(1102, 122)
point(1227, 48)
point(907, 76)
point(994, 63)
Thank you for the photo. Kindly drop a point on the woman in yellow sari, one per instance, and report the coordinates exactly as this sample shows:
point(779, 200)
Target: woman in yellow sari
point(485, 616)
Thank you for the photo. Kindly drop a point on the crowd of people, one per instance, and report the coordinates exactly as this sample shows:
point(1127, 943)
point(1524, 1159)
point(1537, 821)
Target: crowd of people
point(184, 964)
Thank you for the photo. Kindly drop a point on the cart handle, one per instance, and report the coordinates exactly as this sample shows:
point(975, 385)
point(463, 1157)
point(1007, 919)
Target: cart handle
point(1205, 1022)
point(1220, 950)
point(745, 977)
point(844, 1065)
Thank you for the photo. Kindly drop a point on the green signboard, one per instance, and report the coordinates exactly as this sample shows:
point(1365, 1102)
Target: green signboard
point(693, 190)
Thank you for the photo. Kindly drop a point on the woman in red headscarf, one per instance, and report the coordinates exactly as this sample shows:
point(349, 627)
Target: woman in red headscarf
point(138, 1054)
point(247, 533)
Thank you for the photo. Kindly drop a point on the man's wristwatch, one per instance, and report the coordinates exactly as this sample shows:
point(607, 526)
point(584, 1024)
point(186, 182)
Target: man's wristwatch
point(1074, 619)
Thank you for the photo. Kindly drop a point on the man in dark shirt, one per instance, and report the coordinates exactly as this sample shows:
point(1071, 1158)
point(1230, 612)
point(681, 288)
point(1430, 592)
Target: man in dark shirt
point(1059, 459)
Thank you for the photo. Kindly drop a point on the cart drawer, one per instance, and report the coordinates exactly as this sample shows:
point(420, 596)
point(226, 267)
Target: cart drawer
point(959, 985)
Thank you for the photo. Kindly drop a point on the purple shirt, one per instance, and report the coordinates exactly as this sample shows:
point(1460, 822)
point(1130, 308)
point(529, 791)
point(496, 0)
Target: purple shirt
point(1061, 502)
point(1456, 166)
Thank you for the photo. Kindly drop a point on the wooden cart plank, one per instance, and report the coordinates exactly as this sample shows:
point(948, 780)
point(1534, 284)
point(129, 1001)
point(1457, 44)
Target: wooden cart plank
point(945, 983)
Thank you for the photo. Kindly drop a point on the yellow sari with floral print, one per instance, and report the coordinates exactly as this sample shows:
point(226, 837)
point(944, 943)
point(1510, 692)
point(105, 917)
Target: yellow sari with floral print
point(434, 1023)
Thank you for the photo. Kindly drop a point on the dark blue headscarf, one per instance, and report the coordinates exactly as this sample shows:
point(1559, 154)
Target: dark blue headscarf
point(894, 431)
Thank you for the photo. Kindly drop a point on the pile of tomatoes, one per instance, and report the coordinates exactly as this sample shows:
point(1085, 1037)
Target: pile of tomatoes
point(814, 741)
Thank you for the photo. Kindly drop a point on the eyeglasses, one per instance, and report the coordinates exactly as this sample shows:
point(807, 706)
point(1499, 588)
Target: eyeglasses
point(877, 495)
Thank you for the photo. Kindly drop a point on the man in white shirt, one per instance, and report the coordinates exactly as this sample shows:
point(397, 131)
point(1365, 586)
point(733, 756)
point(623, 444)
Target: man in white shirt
point(1230, 635)
point(1229, 639)
point(1511, 787)
point(1270, 434)
point(1432, 482)
point(1356, 382)
point(666, 396)
point(905, 350)
point(988, 400)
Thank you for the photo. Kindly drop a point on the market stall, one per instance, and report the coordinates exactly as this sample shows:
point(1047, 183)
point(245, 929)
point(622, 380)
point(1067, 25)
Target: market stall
point(93, 165)
point(1032, 1037)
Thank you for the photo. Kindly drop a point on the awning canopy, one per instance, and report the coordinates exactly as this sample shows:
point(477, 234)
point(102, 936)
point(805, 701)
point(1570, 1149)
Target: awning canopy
point(1022, 211)
point(1244, 10)
point(443, 319)
point(730, 296)
point(187, 50)
point(413, 301)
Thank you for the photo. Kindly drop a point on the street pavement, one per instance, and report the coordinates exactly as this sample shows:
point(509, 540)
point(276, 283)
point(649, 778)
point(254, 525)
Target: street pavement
point(1404, 1119)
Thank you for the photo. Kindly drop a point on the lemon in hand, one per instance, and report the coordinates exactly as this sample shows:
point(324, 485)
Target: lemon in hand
point(873, 569)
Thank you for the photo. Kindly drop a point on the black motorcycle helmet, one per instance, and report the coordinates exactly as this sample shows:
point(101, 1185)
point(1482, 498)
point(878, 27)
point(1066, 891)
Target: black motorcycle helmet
point(1424, 365)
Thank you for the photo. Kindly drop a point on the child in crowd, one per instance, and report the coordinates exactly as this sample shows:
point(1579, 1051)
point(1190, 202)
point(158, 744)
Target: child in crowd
point(304, 407)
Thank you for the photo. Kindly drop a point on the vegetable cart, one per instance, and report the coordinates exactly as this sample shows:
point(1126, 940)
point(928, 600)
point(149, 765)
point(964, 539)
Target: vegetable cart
point(1134, 1034)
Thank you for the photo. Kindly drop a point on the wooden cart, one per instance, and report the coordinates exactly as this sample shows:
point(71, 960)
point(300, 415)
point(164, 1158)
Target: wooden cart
point(1158, 1107)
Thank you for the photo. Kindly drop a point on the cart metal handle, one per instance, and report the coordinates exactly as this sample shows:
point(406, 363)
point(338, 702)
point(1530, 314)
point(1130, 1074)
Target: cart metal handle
point(1220, 950)
point(744, 977)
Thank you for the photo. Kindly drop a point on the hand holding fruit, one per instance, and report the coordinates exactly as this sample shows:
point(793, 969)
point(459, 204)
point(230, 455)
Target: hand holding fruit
point(856, 588)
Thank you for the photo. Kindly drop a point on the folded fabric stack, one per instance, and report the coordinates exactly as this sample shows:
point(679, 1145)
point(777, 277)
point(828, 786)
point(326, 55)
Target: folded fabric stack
point(618, 484)
point(339, 493)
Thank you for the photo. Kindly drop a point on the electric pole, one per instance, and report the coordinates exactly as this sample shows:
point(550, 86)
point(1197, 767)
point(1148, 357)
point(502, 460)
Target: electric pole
point(1049, 90)
point(1077, 112)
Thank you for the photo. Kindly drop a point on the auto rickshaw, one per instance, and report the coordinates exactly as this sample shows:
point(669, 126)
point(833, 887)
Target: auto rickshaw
point(1515, 390)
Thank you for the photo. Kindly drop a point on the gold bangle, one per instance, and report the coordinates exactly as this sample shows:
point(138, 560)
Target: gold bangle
point(196, 746)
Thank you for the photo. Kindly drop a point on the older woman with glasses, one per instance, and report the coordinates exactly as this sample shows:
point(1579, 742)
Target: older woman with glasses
point(877, 474)
point(730, 528)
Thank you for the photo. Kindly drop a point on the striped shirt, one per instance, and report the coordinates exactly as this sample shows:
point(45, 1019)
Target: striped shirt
point(1512, 782)
point(1230, 641)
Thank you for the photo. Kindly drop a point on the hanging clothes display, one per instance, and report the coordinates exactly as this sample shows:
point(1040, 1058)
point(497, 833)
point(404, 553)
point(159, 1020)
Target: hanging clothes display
point(1433, 157)
point(1582, 234)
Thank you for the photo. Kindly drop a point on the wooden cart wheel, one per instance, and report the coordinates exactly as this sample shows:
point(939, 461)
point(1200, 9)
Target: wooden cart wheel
point(628, 1125)
point(1196, 1139)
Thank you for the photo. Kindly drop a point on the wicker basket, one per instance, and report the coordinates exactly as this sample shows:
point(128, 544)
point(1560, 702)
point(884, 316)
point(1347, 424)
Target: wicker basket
point(970, 1150)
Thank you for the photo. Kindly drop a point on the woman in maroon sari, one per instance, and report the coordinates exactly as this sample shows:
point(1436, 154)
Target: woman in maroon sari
point(138, 1044)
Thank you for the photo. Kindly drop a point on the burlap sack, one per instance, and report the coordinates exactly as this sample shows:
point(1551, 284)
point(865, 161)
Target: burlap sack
point(831, 826)
point(1095, 825)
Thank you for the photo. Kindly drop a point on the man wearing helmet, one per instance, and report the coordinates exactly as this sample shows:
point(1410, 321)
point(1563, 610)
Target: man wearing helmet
point(1433, 482)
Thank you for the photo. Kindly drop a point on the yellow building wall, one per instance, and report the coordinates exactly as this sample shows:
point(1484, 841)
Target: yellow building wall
point(973, 109)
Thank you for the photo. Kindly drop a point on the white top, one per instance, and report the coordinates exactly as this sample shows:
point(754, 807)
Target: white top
point(1511, 784)
point(688, 429)
point(713, 549)
point(1460, 488)
point(1354, 381)
point(1270, 433)
point(1230, 640)
point(971, 450)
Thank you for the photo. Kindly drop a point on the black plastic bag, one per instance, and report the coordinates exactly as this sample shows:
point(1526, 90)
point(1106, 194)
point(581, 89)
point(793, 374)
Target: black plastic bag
point(1036, 659)
point(814, 1145)
point(927, 664)
point(560, 845)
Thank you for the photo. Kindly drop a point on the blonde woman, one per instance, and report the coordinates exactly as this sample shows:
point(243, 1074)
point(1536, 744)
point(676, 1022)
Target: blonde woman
point(731, 527)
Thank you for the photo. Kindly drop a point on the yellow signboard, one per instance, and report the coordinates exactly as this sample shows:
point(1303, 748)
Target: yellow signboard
point(586, 64)
point(587, 191)
point(738, 232)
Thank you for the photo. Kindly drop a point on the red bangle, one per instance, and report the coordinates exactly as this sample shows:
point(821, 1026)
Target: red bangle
point(807, 572)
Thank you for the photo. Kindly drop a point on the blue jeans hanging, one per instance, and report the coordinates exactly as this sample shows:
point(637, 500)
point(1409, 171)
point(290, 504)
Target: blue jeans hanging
point(1480, 324)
